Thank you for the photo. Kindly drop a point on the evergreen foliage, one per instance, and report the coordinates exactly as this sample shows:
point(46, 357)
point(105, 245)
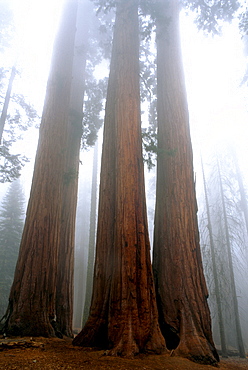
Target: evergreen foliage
point(20, 116)
point(243, 22)
point(11, 225)
point(16, 114)
point(10, 164)
point(210, 14)
point(95, 91)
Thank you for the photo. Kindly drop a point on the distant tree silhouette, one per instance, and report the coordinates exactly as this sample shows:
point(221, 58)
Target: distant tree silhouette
point(216, 277)
point(64, 287)
point(92, 236)
point(229, 238)
point(11, 226)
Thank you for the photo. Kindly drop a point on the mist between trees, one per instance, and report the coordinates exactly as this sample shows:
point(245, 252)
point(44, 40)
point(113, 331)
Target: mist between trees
point(116, 251)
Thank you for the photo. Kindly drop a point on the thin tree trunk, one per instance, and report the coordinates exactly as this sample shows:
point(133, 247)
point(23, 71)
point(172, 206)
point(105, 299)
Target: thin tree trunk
point(180, 284)
point(215, 272)
point(6, 102)
point(92, 237)
point(80, 278)
point(242, 192)
point(33, 294)
point(123, 314)
point(64, 297)
point(240, 342)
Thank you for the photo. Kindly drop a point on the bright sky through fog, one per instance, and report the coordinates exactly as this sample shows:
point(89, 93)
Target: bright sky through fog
point(214, 68)
point(36, 23)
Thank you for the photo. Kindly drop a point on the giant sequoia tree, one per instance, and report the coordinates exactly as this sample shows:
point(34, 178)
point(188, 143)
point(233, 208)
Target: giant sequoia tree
point(64, 291)
point(32, 298)
point(180, 285)
point(123, 315)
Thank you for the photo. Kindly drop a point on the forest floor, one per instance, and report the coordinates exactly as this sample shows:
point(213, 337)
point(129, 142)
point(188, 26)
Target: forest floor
point(43, 353)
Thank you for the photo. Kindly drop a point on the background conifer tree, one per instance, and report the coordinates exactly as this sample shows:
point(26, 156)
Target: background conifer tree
point(11, 225)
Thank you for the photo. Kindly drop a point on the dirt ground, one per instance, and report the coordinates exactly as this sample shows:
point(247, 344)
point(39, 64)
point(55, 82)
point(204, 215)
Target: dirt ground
point(42, 353)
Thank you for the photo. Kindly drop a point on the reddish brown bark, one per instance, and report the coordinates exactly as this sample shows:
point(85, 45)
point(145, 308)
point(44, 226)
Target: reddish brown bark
point(180, 284)
point(123, 315)
point(32, 297)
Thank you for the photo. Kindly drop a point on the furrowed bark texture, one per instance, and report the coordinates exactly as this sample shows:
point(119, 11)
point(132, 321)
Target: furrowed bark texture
point(32, 297)
point(180, 284)
point(64, 295)
point(123, 315)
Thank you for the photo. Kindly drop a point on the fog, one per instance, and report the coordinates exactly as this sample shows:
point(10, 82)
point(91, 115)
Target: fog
point(215, 67)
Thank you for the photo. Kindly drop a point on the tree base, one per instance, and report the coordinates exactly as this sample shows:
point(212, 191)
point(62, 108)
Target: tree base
point(197, 350)
point(123, 346)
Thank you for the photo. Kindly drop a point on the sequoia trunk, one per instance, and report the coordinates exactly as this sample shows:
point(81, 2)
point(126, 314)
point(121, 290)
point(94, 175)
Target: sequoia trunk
point(123, 315)
point(180, 284)
point(32, 298)
point(64, 296)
